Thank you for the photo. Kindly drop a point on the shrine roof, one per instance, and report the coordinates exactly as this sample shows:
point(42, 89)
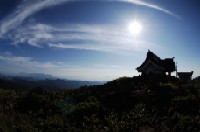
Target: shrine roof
point(168, 63)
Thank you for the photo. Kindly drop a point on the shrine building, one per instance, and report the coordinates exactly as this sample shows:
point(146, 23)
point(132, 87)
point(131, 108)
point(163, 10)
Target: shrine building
point(154, 65)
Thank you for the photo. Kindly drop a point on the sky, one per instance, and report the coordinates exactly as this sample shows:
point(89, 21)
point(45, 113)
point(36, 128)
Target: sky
point(92, 39)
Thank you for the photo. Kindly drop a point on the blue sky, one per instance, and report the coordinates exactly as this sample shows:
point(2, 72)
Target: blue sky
point(90, 39)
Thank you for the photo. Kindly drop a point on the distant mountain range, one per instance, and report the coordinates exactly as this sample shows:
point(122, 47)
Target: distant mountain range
point(28, 81)
point(27, 76)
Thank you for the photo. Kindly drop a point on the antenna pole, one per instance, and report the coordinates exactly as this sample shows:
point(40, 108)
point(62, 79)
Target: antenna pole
point(176, 69)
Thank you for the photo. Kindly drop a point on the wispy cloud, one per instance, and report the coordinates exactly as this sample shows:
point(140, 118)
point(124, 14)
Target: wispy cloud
point(28, 8)
point(33, 34)
point(27, 62)
point(23, 11)
point(97, 37)
point(152, 6)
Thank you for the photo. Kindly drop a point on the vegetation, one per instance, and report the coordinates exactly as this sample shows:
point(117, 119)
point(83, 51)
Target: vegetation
point(125, 104)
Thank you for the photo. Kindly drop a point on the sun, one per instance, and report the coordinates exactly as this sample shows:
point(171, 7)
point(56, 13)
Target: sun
point(135, 28)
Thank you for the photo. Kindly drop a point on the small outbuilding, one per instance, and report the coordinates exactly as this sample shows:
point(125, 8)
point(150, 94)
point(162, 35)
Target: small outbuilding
point(185, 76)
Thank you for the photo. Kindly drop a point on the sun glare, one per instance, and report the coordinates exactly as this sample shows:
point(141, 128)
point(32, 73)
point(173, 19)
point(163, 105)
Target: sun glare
point(135, 28)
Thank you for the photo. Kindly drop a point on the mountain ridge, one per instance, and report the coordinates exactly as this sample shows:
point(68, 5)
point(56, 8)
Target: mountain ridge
point(52, 83)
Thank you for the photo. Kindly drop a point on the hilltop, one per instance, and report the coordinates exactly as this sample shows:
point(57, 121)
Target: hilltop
point(124, 104)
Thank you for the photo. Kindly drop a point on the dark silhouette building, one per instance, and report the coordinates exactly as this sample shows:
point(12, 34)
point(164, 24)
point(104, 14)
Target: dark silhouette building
point(185, 76)
point(153, 65)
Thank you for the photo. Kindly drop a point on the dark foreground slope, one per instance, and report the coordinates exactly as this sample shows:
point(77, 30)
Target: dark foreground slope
point(125, 104)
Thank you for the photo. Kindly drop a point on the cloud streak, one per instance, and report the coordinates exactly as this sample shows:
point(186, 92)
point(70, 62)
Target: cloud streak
point(26, 9)
point(152, 6)
point(97, 37)
point(34, 35)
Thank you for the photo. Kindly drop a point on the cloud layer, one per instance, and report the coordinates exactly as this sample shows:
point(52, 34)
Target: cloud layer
point(27, 62)
point(17, 64)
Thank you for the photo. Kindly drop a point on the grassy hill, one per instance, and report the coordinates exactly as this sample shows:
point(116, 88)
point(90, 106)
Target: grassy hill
point(124, 104)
